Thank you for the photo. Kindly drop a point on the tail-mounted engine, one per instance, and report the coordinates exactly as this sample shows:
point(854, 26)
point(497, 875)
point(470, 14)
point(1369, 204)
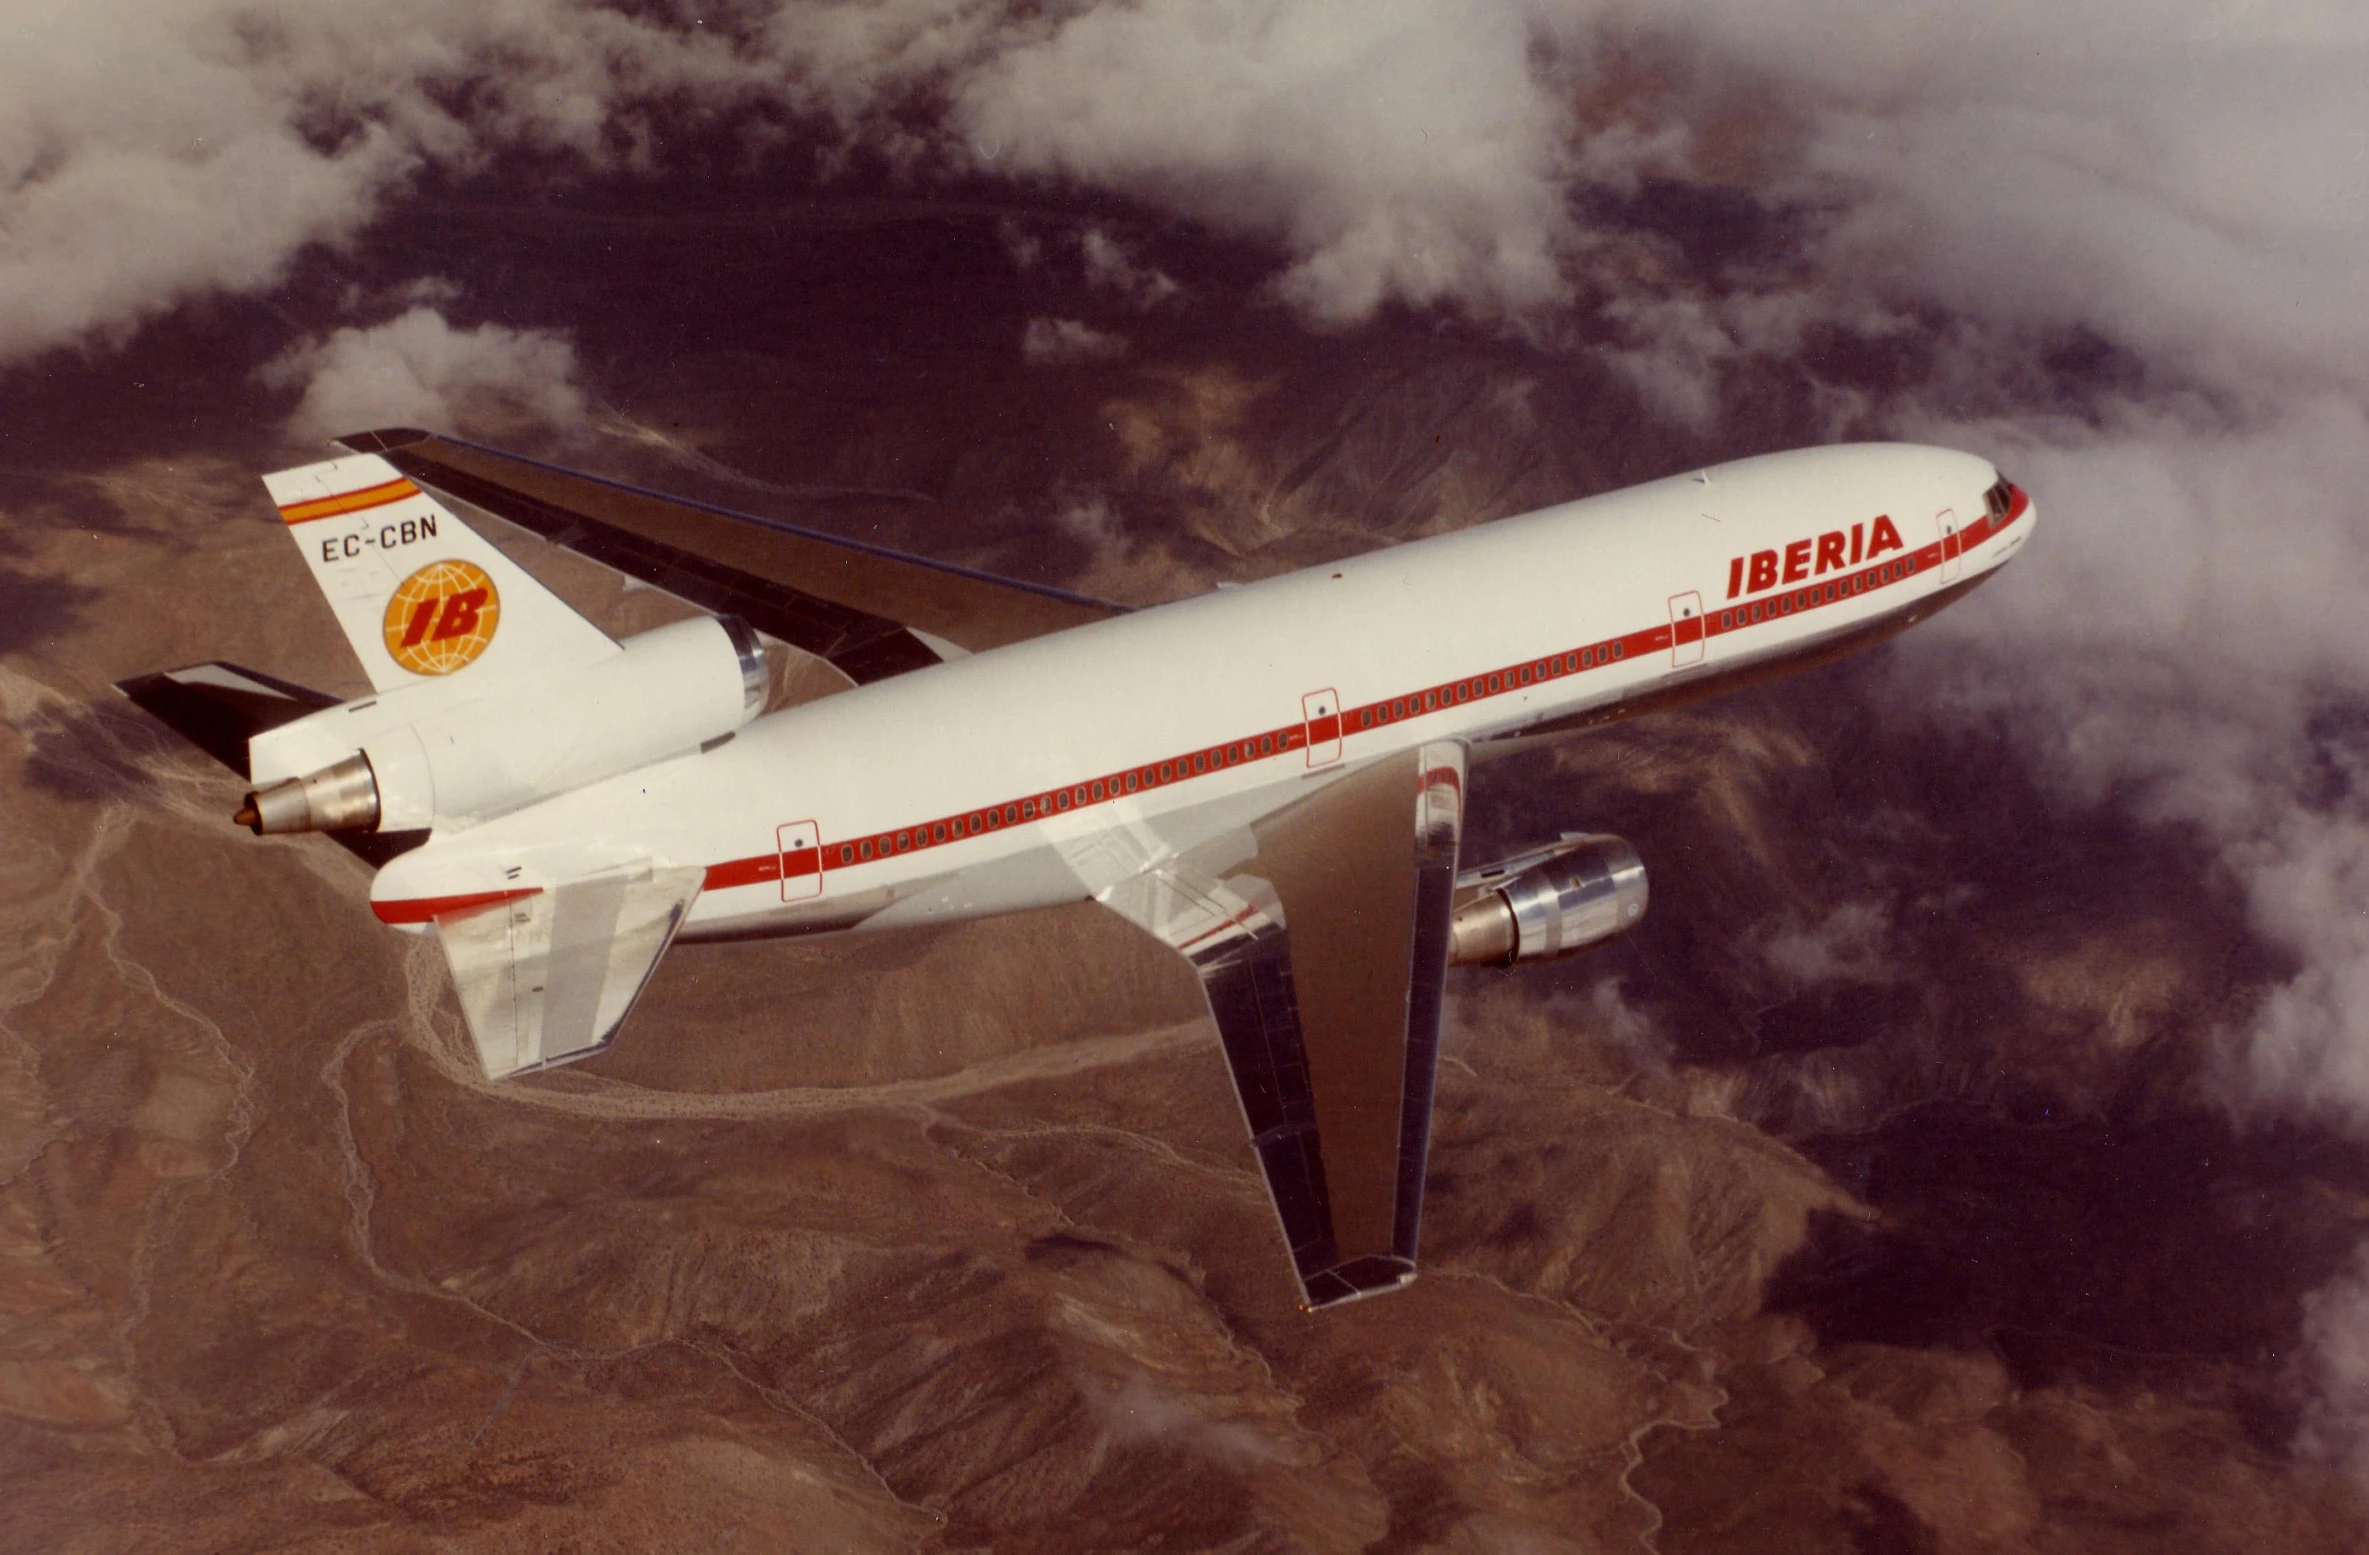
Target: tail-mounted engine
point(419, 756)
point(1547, 903)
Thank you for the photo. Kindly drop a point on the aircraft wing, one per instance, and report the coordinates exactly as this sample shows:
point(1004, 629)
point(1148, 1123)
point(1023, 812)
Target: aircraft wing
point(1321, 941)
point(871, 612)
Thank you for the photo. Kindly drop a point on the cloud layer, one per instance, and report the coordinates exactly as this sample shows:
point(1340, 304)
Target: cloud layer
point(417, 370)
point(154, 153)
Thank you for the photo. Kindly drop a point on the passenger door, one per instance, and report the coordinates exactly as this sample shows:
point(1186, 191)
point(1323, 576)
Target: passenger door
point(1947, 521)
point(801, 860)
point(1686, 629)
point(1320, 711)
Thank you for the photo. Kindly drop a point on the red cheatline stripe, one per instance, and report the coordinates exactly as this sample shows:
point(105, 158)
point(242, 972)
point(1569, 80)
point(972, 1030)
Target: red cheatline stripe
point(349, 501)
point(420, 909)
point(1505, 680)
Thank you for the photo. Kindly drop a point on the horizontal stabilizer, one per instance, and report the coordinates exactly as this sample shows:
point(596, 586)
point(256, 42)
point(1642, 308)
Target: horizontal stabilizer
point(548, 978)
point(220, 707)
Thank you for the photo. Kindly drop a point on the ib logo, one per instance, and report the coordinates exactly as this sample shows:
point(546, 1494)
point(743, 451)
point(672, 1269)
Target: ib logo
point(441, 618)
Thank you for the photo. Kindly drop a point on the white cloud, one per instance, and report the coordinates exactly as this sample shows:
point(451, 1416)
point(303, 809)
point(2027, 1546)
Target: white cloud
point(1061, 342)
point(1089, 520)
point(1850, 944)
point(2177, 640)
point(1110, 267)
point(2335, 1424)
point(153, 152)
point(417, 370)
point(1398, 150)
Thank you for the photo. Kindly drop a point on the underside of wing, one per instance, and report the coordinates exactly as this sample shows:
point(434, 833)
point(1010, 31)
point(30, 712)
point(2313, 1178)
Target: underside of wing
point(871, 612)
point(1321, 941)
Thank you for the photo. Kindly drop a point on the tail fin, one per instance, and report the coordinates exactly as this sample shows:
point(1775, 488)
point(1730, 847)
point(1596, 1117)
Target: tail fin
point(419, 593)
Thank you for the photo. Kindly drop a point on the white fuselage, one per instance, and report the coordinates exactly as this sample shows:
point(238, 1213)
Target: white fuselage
point(1046, 771)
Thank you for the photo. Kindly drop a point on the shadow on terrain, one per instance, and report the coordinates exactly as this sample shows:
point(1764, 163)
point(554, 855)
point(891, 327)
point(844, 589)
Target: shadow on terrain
point(2112, 1251)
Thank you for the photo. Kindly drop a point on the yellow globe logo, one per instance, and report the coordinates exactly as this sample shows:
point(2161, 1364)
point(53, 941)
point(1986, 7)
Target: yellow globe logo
point(441, 618)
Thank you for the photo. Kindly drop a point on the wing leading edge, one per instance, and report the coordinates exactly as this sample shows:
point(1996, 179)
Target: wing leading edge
point(871, 612)
point(1323, 951)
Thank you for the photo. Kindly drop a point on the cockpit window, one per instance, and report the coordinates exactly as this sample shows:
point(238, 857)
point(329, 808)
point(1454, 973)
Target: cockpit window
point(1998, 500)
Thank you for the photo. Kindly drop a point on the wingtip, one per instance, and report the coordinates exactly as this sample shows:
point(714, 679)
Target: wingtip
point(380, 440)
point(1360, 1279)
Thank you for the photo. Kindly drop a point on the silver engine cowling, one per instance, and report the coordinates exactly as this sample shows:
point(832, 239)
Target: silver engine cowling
point(1580, 892)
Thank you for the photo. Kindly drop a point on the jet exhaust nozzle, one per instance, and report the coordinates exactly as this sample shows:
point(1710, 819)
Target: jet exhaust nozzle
point(341, 797)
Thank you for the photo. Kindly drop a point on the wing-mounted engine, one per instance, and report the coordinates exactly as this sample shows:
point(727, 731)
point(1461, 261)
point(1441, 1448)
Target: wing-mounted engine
point(1547, 903)
point(443, 753)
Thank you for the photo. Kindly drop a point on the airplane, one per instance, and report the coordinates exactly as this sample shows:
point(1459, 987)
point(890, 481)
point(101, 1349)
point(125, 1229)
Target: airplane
point(1269, 779)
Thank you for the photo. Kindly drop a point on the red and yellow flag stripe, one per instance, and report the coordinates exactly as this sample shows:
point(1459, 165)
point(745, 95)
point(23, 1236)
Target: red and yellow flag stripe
point(350, 501)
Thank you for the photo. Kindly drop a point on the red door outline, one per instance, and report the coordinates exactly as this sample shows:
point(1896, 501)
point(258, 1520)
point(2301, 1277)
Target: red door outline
point(1947, 521)
point(1686, 629)
point(1320, 711)
point(800, 846)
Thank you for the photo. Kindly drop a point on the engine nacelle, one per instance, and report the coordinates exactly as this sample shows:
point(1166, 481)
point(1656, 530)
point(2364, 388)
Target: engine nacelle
point(663, 693)
point(1580, 892)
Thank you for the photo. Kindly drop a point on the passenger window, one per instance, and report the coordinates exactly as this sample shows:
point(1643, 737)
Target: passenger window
point(1266, 744)
point(866, 847)
point(847, 853)
point(904, 841)
point(938, 832)
point(1617, 649)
